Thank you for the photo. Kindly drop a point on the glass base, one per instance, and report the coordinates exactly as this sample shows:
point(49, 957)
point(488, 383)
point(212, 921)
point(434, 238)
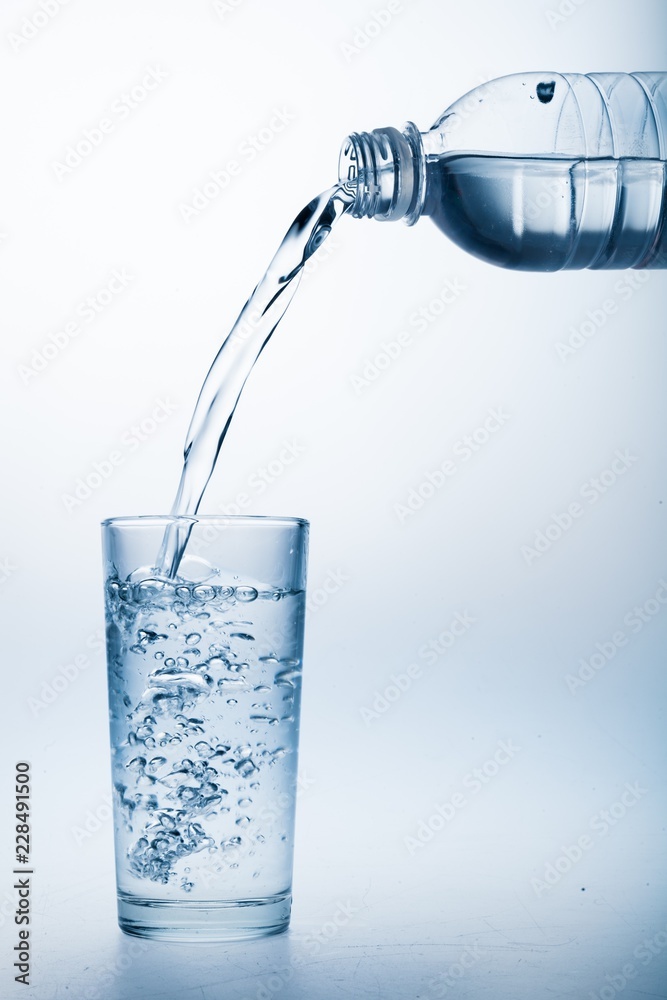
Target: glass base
point(205, 921)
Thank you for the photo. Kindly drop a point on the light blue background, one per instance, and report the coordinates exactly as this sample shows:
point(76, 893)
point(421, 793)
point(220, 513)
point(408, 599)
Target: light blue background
point(381, 588)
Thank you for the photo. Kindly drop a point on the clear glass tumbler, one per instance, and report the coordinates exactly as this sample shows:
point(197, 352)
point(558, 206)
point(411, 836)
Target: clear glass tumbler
point(204, 694)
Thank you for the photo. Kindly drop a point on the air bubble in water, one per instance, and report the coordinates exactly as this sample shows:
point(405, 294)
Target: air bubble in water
point(246, 594)
point(151, 590)
point(233, 683)
point(217, 663)
point(316, 240)
point(232, 843)
point(192, 639)
point(203, 593)
point(288, 677)
point(195, 569)
point(245, 767)
point(155, 763)
point(148, 635)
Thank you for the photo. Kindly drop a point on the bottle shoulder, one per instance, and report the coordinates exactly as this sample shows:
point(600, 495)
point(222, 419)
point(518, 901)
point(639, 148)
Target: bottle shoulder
point(561, 114)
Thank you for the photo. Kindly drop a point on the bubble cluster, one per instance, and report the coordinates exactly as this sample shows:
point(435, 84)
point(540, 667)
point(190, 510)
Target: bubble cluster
point(200, 690)
point(154, 855)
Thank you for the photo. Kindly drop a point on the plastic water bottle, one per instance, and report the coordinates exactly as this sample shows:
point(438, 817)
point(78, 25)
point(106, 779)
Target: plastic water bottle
point(534, 171)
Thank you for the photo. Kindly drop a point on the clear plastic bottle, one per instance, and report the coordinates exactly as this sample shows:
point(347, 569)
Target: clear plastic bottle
point(534, 171)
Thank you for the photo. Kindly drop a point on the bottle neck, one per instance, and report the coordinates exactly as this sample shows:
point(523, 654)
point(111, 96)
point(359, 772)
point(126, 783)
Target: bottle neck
point(384, 172)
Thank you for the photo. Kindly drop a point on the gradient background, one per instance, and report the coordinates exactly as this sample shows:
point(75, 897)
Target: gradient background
point(461, 915)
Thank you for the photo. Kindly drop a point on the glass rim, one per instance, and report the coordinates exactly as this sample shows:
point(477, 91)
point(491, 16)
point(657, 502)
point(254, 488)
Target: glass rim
point(192, 519)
